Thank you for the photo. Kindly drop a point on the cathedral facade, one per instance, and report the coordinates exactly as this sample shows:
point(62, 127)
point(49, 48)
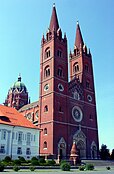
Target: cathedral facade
point(66, 110)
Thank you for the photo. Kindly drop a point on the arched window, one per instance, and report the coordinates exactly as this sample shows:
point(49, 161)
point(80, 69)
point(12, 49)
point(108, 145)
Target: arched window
point(47, 53)
point(75, 67)
point(87, 84)
point(36, 114)
point(86, 67)
point(59, 53)
point(46, 108)
point(60, 72)
point(45, 145)
point(45, 131)
point(47, 71)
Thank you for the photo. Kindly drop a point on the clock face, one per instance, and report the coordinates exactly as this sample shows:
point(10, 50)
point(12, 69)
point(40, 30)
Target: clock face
point(60, 87)
point(89, 97)
point(77, 113)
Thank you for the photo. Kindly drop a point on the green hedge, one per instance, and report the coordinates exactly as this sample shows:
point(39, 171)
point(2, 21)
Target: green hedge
point(65, 166)
point(89, 167)
point(1, 167)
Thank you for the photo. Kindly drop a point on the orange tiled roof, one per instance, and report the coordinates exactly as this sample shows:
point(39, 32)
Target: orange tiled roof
point(11, 116)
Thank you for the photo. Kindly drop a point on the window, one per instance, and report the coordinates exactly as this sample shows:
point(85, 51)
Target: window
point(46, 72)
point(13, 135)
point(16, 135)
point(47, 53)
point(45, 145)
point(59, 53)
point(46, 108)
point(86, 67)
point(2, 149)
point(75, 67)
point(36, 114)
point(60, 72)
point(60, 109)
point(31, 137)
point(20, 138)
point(34, 137)
point(76, 95)
point(28, 138)
point(45, 131)
point(3, 137)
point(19, 150)
point(87, 84)
point(46, 87)
point(29, 116)
point(28, 151)
point(90, 117)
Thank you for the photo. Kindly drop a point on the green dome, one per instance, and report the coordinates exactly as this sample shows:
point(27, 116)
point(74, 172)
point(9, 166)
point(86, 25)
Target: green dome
point(19, 85)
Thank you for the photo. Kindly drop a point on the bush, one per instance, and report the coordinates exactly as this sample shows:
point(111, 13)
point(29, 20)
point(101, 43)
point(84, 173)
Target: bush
point(42, 160)
point(1, 167)
point(22, 159)
point(28, 161)
point(17, 162)
point(89, 167)
point(62, 161)
point(33, 158)
point(34, 162)
point(32, 168)
point(16, 168)
point(82, 168)
point(65, 166)
point(7, 159)
point(108, 168)
point(50, 162)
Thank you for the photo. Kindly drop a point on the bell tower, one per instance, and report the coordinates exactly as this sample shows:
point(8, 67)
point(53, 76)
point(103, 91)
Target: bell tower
point(81, 69)
point(53, 90)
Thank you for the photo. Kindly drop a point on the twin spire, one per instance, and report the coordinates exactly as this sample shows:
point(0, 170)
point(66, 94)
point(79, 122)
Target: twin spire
point(78, 39)
point(54, 25)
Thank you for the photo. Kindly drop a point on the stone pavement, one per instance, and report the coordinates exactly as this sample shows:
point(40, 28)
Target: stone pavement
point(98, 170)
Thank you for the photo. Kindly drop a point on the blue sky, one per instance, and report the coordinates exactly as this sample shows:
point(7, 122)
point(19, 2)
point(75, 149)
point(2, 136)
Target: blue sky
point(22, 23)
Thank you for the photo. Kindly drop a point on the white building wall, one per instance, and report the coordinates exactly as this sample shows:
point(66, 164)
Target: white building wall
point(11, 142)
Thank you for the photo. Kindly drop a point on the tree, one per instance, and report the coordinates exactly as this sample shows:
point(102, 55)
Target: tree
point(104, 152)
point(112, 155)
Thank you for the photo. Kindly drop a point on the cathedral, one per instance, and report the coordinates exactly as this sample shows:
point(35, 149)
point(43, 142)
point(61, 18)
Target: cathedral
point(66, 110)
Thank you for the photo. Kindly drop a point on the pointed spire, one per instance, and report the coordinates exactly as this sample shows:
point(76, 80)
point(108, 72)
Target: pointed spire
point(54, 25)
point(79, 39)
point(19, 78)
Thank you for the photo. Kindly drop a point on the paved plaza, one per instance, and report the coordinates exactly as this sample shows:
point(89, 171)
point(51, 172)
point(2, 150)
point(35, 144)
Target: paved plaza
point(98, 170)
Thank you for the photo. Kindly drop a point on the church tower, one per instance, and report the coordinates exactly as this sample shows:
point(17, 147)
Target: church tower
point(85, 107)
point(17, 95)
point(53, 89)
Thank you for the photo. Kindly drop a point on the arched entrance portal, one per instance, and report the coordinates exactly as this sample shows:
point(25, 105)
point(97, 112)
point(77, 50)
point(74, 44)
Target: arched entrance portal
point(93, 150)
point(81, 149)
point(80, 139)
point(62, 149)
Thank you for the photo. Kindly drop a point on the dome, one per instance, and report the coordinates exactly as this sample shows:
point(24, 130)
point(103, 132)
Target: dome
point(19, 85)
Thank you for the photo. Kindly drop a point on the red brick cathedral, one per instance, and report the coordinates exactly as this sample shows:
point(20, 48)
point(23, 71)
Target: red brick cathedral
point(67, 110)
